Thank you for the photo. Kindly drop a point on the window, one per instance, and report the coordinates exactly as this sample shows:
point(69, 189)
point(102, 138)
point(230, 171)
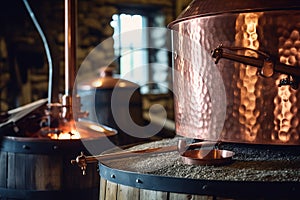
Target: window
point(145, 66)
point(133, 61)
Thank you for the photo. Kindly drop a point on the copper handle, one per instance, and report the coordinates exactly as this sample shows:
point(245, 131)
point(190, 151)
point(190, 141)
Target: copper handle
point(266, 64)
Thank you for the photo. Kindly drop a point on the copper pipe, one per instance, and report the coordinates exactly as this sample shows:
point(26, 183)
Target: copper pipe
point(70, 44)
point(82, 160)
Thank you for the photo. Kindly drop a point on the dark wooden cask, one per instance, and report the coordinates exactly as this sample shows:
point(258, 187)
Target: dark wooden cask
point(35, 168)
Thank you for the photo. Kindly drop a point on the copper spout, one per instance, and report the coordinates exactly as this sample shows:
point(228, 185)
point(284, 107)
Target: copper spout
point(81, 161)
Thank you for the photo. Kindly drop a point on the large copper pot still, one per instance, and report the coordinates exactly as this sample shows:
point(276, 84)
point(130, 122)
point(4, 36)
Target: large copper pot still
point(256, 47)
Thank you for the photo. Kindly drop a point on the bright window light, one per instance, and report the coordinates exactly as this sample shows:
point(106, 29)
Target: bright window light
point(133, 61)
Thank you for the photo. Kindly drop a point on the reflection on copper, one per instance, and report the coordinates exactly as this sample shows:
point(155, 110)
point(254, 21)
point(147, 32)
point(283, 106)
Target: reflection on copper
point(285, 109)
point(97, 83)
point(246, 36)
point(73, 134)
point(60, 127)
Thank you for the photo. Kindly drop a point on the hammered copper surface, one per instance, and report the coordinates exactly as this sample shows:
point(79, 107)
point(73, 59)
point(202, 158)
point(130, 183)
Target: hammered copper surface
point(257, 109)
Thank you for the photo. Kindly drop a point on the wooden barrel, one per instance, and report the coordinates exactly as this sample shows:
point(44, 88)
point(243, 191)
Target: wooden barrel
point(35, 168)
point(164, 176)
point(110, 190)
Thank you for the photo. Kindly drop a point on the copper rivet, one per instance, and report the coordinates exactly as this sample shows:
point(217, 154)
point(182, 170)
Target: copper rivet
point(25, 147)
point(204, 187)
point(112, 176)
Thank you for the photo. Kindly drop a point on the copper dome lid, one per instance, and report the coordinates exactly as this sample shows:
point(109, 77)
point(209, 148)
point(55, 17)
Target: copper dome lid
point(107, 80)
point(200, 8)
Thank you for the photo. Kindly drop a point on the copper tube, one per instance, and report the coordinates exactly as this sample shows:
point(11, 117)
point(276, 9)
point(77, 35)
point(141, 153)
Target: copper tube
point(70, 44)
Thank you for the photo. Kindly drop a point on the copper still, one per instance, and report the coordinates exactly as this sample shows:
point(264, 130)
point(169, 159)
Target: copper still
point(102, 90)
point(255, 47)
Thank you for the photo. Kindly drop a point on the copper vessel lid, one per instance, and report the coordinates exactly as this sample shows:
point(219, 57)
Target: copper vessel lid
point(201, 8)
point(107, 80)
